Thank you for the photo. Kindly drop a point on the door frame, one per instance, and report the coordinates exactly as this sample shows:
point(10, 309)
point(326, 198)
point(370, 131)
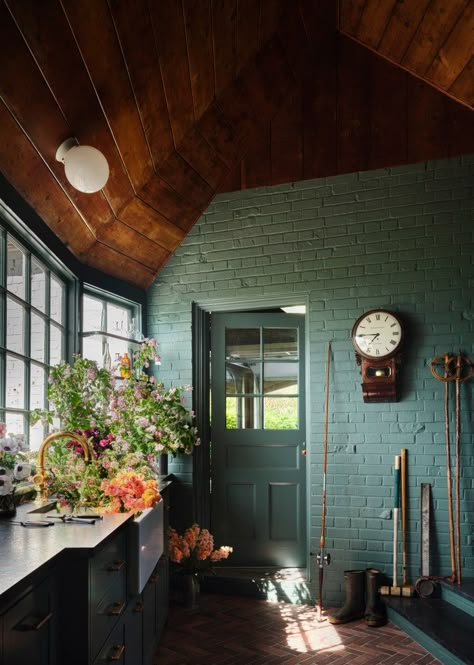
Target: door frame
point(201, 347)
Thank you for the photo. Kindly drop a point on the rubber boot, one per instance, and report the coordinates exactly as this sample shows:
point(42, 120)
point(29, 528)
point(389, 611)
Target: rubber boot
point(375, 613)
point(353, 608)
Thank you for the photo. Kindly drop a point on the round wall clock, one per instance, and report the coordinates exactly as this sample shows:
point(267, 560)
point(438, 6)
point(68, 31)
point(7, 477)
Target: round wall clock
point(377, 337)
point(377, 334)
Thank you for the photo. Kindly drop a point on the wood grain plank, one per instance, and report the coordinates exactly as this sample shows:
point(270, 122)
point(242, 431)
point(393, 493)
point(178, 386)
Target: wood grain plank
point(463, 86)
point(456, 51)
point(295, 41)
point(95, 33)
point(233, 180)
point(45, 29)
point(24, 168)
point(387, 111)
point(401, 28)
point(220, 134)
point(186, 181)
point(199, 154)
point(459, 129)
point(350, 14)
point(119, 265)
point(256, 167)
point(374, 21)
point(436, 25)
point(168, 22)
point(275, 75)
point(158, 194)
point(426, 133)
point(270, 14)
point(320, 90)
point(238, 111)
point(135, 33)
point(247, 37)
point(126, 240)
point(224, 31)
point(152, 224)
point(287, 140)
point(353, 107)
point(198, 26)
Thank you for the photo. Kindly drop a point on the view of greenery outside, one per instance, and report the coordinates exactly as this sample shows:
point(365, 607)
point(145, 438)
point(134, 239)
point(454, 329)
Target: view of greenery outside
point(281, 415)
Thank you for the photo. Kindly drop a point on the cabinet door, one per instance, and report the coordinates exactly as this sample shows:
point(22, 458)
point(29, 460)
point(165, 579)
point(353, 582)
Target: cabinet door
point(31, 628)
point(149, 619)
point(134, 627)
point(162, 594)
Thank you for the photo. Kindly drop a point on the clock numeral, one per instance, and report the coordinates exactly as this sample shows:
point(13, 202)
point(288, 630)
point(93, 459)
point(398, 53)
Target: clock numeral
point(385, 318)
point(377, 352)
point(395, 333)
point(393, 342)
point(368, 319)
point(393, 324)
point(377, 316)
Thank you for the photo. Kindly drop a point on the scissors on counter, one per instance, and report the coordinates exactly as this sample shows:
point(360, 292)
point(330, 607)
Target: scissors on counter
point(71, 518)
point(32, 524)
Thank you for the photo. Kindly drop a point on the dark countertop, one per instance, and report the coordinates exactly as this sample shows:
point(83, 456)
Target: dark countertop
point(24, 550)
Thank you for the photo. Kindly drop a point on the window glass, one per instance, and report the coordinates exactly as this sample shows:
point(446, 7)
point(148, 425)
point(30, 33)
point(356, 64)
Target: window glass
point(37, 387)
point(38, 285)
point(93, 313)
point(16, 268)
point(15, 383)
point(56, 305)
point(15, 326)
point(55, 344)
point(118, 320)
point(38, 337)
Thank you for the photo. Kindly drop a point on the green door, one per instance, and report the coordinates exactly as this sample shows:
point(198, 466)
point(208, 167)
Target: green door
point(258, 463)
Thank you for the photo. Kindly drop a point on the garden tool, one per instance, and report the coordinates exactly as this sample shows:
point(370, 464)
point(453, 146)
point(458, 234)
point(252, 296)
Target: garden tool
point(407, 589)
point(322, 557)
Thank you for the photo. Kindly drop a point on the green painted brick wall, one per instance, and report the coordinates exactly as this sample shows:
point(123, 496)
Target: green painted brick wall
point(399, 238)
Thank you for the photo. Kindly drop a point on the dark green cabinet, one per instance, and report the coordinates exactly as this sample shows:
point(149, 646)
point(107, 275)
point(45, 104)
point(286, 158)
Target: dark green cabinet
point(31, 626)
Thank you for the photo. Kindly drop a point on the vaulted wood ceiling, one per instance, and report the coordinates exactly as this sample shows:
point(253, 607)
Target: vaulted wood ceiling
point(190, 97)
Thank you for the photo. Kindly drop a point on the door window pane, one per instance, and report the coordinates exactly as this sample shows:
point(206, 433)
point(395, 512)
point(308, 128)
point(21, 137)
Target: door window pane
point(38, 285)
point(15, 326)
point(37, 387)
point(55, 345)
point(243, 413)
point(57, 291)
point(280, 343)
point(16, 268)
point(244, 378)
point(281, 377)
point(15, 383)
point(280, 412)
point(38, 337)
point(242, 344)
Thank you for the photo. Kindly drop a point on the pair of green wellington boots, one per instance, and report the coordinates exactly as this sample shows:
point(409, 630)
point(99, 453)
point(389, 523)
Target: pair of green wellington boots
point(362, 599)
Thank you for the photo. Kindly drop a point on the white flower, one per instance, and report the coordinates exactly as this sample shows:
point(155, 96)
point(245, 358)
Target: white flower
point(6, 486)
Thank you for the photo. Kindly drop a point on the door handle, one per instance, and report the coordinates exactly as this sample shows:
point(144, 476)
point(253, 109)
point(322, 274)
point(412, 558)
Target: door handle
point(303, 450)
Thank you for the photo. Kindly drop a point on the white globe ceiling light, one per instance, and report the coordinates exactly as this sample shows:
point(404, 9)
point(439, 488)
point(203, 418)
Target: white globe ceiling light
point(85, 167)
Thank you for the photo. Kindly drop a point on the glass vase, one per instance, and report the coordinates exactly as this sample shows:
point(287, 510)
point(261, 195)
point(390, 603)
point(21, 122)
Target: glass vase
point(7, 506)
point(191, 591)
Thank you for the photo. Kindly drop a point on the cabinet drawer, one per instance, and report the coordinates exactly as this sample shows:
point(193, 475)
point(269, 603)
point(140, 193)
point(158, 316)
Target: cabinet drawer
point(114, 650)
point(108, 566)
point(105, 614)
point(31, 627)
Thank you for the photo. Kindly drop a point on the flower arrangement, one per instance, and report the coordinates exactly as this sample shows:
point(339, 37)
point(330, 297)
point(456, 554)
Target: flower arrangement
point(194, 552)
point(128, 418)
point(14, 464)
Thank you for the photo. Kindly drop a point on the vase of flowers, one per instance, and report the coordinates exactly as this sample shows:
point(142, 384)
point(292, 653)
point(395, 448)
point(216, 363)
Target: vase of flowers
point(192, 555)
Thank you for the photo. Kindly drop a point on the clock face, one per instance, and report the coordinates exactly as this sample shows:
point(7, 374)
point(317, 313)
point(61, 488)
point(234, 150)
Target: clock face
point(377, 334)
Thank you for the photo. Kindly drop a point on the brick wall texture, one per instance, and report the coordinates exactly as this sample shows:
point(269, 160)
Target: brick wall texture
point(400, 239)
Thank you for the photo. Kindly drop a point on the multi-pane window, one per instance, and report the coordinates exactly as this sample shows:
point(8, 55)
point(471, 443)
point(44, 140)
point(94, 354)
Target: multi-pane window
point(33, 333)
point(110, 327)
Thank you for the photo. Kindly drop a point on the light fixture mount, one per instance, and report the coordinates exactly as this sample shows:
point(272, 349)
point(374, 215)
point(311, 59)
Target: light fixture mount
point(85, 167)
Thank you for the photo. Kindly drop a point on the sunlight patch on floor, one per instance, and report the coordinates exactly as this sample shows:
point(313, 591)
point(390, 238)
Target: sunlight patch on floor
point(306, 634)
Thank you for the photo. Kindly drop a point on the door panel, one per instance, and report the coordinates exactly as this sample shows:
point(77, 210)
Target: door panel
point(258, 468)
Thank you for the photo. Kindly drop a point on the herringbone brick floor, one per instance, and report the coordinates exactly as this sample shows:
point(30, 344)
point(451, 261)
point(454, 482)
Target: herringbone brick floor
point(229, 630)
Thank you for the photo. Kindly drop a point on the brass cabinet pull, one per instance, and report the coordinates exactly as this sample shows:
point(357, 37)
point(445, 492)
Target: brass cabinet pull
point(154, 579)
point(116, 653)
point(138, 609)
point(116, 609)
point(28, 625)
point(116, 565)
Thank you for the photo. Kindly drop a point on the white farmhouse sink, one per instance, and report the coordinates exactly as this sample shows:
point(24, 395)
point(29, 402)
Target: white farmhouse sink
point(145, 546)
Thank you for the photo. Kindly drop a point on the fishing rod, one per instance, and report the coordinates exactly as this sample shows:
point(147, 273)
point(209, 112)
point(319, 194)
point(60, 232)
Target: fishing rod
point(324, 558)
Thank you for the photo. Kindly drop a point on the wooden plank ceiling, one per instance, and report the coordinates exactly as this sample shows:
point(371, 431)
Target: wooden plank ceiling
point(190, 97)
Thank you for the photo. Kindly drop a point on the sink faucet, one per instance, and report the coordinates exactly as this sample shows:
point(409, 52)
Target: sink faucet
point(40, 477)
